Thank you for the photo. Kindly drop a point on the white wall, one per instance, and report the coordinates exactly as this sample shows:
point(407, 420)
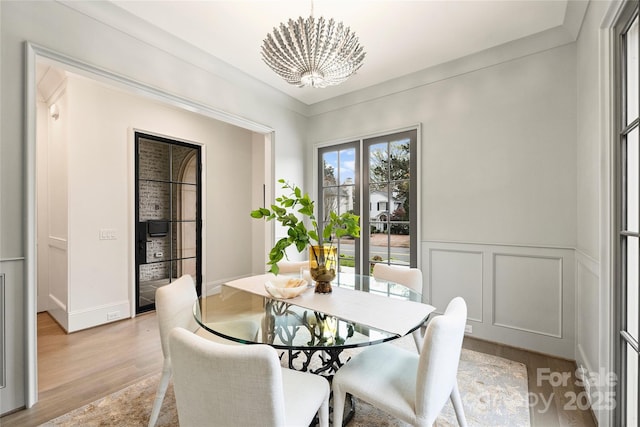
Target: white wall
point(498, 149)
point(498, 190)
point(59, 27)
point(42, 172)
point(56, 212)
point(593, 285)
point(260, 230)
point(100, 155)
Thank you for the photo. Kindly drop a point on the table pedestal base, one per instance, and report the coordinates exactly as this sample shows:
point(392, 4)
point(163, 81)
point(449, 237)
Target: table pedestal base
point(330, 363)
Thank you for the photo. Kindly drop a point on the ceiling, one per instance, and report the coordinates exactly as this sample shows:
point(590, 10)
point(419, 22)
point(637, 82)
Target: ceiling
point(399, 37)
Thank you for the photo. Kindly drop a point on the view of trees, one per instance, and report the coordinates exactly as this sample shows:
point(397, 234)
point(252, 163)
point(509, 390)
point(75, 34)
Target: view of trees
point(390, 165)
point(381, 174)
point(330, 196)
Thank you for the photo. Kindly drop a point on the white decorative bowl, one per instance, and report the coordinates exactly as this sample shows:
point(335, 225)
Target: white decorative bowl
point(286, 287)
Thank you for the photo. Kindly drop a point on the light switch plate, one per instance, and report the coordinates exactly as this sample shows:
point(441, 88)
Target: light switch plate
point(107, 234)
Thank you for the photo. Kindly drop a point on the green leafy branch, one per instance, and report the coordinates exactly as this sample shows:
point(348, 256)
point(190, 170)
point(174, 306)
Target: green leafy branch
point(284, 211)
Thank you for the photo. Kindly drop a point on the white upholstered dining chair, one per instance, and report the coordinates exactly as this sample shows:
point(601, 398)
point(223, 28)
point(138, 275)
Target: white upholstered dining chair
point(174, 308)
point(289, 267)
point(229, 386)
point(409, 277)
point(413, 388)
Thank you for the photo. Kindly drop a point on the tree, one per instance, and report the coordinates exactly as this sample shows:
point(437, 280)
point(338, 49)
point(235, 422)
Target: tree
point(329, 173)
point(399, 215)
point(392, 166)
point(330, 196)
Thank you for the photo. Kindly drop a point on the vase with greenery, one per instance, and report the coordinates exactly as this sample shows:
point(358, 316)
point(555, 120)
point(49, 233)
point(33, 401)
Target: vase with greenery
point(291, 211)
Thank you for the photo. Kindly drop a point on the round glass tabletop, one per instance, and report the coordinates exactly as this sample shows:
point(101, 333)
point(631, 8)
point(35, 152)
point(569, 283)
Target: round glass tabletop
point(249, 318)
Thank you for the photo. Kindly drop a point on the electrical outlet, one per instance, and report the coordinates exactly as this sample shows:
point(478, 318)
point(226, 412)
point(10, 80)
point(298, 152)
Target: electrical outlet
point(113, 315)
point(468, 329)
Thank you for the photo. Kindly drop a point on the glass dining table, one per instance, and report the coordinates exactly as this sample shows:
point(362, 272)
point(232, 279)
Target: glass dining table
point(311, 331)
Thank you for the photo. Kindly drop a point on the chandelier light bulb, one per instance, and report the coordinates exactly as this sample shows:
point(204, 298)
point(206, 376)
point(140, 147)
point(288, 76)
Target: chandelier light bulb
point(313, 52)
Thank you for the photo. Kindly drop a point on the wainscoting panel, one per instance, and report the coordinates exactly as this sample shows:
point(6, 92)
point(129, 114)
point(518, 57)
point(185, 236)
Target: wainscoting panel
point(3, 346)
point(523, 296)
point(587, 330)
point(58, 281)
point(12, 390)
point(456, 273)
point(527, 293)
point(589, 337)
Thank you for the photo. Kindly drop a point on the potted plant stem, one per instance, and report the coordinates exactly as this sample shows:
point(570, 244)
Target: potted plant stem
point(291, 211)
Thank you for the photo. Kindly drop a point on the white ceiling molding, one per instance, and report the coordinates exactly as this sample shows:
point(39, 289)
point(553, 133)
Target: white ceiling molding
point(47, 57)
point(121, 20)
point(502, 35)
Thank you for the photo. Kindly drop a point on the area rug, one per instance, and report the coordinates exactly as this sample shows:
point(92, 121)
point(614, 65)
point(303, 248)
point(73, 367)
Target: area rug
point(494, 393)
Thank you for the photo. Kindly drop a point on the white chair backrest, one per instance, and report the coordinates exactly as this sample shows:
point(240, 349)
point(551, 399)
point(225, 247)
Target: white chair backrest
point(292, 266)
point(439, 359)
point(174, 308)
point(222, 385)
point(409, 277)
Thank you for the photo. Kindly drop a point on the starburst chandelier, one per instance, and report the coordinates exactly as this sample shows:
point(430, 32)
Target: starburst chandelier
point(313, 52)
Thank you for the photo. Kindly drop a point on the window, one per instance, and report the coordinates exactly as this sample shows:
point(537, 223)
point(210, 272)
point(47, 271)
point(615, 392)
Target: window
point(339, 173)
point(389, 175)
point(628, 217)
point(379, 173)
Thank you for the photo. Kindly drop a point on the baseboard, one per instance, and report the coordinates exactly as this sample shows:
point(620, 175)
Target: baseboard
point(528, 350)
point(95, 316)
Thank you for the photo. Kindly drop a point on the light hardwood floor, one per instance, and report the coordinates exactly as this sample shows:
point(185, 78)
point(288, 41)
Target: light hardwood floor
point(76, 369)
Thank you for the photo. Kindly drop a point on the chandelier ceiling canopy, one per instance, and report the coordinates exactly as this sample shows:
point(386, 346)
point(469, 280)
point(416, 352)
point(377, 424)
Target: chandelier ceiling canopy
point(313, 52)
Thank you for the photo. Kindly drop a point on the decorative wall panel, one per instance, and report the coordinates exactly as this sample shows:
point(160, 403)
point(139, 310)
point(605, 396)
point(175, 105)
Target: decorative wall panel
point(523, 296)
point(3, 365)
point(588, 336)
point(528, 293)
point(58, 275)
point(456, 273)
point(12, 348)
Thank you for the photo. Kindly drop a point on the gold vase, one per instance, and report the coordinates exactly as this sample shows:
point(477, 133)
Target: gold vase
point(322, 263)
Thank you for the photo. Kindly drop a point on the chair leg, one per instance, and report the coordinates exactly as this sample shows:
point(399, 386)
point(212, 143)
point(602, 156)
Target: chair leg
point(456, 400)
point(162, 389)
point(339, 397)
point(323, 413)
point(418, 338)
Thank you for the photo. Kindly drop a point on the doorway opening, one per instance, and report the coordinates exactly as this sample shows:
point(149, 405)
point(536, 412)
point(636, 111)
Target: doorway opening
point(260, 139)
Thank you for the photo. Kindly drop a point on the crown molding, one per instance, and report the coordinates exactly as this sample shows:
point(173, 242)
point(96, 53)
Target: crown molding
point(121, 20)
